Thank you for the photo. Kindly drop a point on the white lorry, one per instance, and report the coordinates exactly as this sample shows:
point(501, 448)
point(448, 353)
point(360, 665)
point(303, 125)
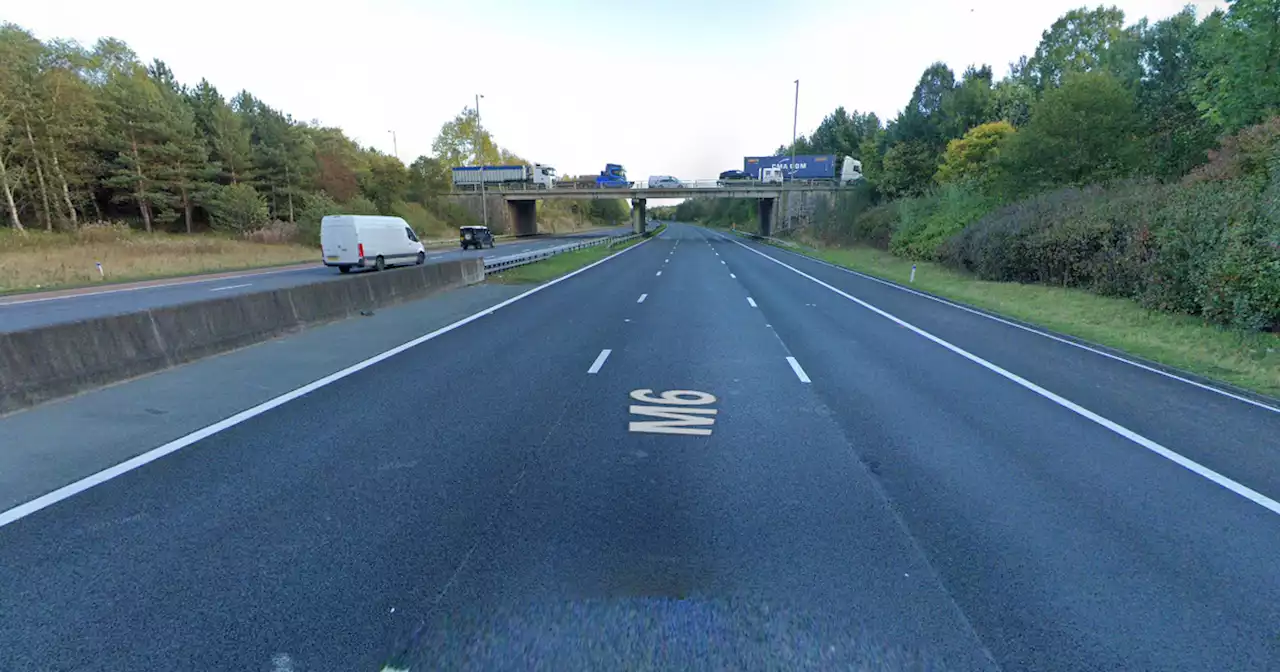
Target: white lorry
point(364, 241)
point(538, 176)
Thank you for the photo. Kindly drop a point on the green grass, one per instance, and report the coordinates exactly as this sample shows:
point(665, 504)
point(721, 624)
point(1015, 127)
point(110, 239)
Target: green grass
point(554, 267)
point(1248, 360)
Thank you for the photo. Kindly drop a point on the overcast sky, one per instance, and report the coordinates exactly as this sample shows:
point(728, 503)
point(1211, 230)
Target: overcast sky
point(678, 87)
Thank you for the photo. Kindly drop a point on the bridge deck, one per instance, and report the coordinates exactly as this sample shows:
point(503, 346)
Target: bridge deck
point(593, 194)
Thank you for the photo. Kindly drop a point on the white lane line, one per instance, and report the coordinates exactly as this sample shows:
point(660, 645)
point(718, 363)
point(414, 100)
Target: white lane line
point(795, 366)
point(595, 366)
point(642, 298)
point(667, 260)
point(659, 272)
point(733, 276)
point(1184, 462)
point(751, 301)
point(223, 289)
point(1045, 334)
point(178, 283)
point(722, 261)
point(23, 510)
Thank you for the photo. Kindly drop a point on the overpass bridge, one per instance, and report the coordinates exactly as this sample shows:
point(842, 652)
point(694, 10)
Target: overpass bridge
point(521, 199)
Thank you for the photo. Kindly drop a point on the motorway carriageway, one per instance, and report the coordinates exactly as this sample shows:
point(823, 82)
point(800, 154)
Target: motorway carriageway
point(701, 453)
point(19, 312)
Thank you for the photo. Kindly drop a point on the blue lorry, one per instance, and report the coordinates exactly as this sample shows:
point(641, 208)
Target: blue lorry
point(614, 176)
point(823, 167)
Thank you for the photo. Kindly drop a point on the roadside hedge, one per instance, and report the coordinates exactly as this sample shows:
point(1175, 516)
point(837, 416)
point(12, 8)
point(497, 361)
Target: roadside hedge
point(1209, 248)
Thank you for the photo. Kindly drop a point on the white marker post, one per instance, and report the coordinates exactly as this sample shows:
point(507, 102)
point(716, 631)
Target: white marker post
point(913, 273)
point(101, 274)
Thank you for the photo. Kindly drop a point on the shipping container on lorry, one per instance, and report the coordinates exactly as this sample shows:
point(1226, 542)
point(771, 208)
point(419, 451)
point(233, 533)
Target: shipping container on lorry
point(820, 167)
point(538, 176)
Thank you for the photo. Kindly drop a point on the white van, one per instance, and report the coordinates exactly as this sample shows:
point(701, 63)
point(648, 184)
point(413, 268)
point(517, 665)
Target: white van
point(359, 241)
point(664, 182)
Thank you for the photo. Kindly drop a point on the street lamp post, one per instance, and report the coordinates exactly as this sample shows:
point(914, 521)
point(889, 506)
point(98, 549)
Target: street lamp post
point(795, 117)
point(394, 147)
point(484, 203)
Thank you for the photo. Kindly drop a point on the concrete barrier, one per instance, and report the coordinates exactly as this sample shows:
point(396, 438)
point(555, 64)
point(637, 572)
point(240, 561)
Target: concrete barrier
point(58, 360)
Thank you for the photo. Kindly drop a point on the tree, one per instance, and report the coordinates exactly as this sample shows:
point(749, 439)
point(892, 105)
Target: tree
point(1082, 132)
point(139, 127)
point(967, 105)
point(184, 160)
point(339, 163)
point(922, 118)
point(1011, 100)
point(239, 208)
point(908, 168)
point(1240, 56)
point(223, 131)
point(282, 154)
point(69, 118)
point(456, 145)
point(428, 178)
point(841, 133)
point(386, 181)
point(1178, 136)
point(20, 54)
point(1081, 40)
point(973, 157)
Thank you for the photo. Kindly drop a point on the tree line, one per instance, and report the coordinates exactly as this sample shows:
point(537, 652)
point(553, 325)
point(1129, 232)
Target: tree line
point(1096, 100)
point(1138, 160)
point(93, 134)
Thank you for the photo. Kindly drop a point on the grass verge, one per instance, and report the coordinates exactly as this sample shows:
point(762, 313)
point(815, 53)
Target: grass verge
point(554, 267)
point(41, 261)
point(1247, 360)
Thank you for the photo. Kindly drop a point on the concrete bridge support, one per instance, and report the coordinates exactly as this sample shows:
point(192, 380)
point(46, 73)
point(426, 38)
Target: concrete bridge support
point(765, 207)
point(639, 217)
point(525, 216)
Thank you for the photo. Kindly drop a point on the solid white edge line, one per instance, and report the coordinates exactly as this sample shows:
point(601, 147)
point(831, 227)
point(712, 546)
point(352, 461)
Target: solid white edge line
point(223, 289)
point(178, 283)
point(595, 366)
point(795, 366)
point(1187, 463)
point(642, 298)
point(71, 489)
point(1045, 334)
point(751, 301)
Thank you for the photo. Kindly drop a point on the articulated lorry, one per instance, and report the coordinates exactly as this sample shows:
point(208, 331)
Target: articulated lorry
point(812, 167)
point(537, 176)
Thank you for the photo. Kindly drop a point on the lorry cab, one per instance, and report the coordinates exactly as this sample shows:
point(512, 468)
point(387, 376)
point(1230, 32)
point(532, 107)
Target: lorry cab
point(850, 171)
point(613, 176)
point(771, 175)
point(363, 241)
point(544, 176)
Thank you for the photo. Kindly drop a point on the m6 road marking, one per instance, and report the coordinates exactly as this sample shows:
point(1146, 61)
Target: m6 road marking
point(678, 410)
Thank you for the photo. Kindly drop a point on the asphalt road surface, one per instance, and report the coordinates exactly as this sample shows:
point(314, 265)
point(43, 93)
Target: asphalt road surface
point(700, 454)
point(26, 312)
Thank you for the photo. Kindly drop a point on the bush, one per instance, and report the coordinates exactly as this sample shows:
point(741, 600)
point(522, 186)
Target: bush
point(926, 222)
point(1210, 249)
point(972, 158)
point(834, 219)
point(237, 208)
point(875, 227)
point(278, 232)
